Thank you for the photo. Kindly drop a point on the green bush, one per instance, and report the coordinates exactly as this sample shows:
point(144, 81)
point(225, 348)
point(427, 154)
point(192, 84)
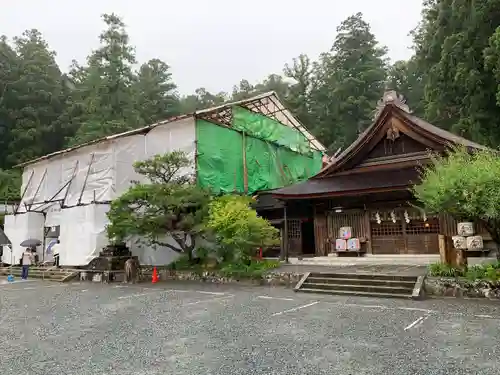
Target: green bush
point(182, 263)
point(464, 184)
point(477, 272)
point(238, 231)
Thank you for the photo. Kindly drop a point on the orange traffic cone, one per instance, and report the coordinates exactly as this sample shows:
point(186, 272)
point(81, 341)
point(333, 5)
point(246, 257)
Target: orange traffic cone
point(155, 276)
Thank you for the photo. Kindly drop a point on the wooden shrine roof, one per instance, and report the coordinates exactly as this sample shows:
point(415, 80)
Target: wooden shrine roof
point(351, 184)
point(358, 170)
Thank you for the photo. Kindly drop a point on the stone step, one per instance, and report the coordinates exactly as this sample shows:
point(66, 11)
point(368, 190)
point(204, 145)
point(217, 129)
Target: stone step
point(40, 273)
point(361, 281)
point(358, 284)
point(354, 293)
point(34, 272)
point(364, 276)
point(359, 288)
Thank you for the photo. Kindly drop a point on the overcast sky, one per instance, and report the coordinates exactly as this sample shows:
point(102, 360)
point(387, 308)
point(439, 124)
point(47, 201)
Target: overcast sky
point(212, 43)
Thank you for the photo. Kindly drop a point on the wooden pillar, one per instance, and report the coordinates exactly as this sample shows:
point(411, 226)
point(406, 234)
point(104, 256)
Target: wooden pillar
point(443, 251)
point(368, 233)
point(245, 170)
point(286, 233)
point(447, 253)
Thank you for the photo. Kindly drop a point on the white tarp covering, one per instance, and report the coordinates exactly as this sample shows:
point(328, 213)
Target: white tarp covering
point(158, 255)
point(19, 228)
point(153, 255)
point(102, 172)
point(83, 234)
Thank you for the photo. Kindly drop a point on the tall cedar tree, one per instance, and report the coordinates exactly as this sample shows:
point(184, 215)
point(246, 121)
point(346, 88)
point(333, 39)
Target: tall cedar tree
point(36, 100)
point(155, 92)
point(453, 49)
point(104, 90)
point(9, 75)
point(348, 82)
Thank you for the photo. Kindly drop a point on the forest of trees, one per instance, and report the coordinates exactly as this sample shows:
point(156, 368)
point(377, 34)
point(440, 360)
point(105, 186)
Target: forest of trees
point(452, 80)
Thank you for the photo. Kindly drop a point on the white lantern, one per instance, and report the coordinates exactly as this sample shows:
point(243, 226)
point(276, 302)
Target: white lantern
point(465, 229)
point(459, 242)
point(475, 243)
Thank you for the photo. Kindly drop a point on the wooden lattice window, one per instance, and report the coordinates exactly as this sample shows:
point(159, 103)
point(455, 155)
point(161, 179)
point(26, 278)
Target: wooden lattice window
point(387, 228)
point(354, 219)
point(293, 228)
point(421, 227)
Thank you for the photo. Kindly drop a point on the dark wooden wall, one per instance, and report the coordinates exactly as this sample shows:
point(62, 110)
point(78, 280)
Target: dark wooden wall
point(416, 237)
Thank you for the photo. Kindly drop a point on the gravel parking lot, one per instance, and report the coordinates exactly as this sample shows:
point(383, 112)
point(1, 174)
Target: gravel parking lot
point(193, 328)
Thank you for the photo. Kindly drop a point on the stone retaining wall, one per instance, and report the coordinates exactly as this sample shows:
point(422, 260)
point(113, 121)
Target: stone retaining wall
point(287, 279)
point(460, 287)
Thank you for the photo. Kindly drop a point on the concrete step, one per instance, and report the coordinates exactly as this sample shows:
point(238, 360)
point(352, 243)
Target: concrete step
point(354, 293)
point(364, 276)
point(360, 281)
point(359, 288)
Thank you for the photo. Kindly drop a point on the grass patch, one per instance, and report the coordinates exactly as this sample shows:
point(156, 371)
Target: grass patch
point(255, 269)
point(487, 272)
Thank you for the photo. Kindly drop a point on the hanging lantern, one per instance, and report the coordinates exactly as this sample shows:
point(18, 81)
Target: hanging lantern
point(407, 217)
point(393, 216)
point(424, 216)
point(377, 217)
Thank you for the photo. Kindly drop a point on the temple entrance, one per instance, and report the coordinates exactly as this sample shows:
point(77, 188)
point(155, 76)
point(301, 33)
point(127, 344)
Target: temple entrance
point(308, 246)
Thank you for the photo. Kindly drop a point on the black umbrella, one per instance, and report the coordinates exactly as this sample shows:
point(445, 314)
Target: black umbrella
point(31, 243)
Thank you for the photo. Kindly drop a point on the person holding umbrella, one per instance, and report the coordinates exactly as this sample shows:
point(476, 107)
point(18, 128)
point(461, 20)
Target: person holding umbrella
point(28, 258)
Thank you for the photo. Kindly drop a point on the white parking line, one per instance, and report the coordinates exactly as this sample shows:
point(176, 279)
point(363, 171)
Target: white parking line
point(229, 296)
point(362, 306)
point(276, 298)
point(486, 316)
point(296, 308)
point(419, 320)
point(139, 295)
point(416, 322)
point(415, 309)
point(212, 293)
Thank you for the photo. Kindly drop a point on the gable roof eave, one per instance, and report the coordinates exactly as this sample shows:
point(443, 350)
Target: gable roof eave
point(439, 135)
point(354, 147)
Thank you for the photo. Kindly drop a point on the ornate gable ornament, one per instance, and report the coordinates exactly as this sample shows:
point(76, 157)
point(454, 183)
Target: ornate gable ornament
point(391, 96)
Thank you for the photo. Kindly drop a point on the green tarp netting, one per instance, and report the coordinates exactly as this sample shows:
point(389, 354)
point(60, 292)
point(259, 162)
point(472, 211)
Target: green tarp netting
point(270, 166)
point(219, 159)
point(222, 151)
point(267, 129)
